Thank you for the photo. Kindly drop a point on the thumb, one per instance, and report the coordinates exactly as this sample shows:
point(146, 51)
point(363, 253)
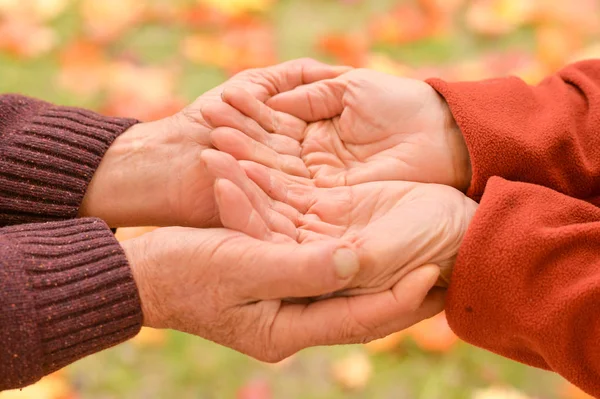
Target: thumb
point(291, 270)
point(313, 102)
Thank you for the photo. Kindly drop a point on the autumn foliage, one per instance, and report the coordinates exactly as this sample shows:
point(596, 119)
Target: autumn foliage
point(87, 43)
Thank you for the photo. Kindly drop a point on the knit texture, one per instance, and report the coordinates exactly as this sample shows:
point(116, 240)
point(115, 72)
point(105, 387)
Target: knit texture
point(67, 292)
point(48, 155)
point(66, 289)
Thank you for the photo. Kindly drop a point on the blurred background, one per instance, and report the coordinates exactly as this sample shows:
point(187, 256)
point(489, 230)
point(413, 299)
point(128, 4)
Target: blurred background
point(147, 59)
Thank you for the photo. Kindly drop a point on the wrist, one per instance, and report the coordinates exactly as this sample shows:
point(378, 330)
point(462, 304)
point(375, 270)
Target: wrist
point(123, 191)
point(136, 253)
point(461, 159)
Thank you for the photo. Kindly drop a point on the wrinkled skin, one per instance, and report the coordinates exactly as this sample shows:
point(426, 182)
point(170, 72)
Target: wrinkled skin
point(152, 174)
point(395, 227)
point(363, 126)
point(226, 286)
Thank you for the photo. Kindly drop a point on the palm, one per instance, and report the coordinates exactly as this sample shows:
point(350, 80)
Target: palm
point(394, 226)
point(371, 126)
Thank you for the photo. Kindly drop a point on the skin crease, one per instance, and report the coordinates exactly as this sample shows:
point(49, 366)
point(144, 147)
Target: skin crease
point(366, 132)
point(394, 227)
point(371, 127)
point(152, 174)
point(225, 286)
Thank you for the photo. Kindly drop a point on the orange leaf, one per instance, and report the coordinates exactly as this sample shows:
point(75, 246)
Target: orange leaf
point(570, 391)
point(107, 20)
point(556, 44)
point(83, 68)
point(386, 344)
point(350, 49)
point(354, 371)
point(434, 334)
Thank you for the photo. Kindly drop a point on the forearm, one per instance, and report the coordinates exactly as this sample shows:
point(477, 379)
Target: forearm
point(67, 291)
point(547, 134)
point(526, 283)
point(48, 155)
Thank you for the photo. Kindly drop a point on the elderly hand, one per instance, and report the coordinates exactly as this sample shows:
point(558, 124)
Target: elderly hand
point(394, 227)
point(370, 127)
point(152, 174)
point(227, 287)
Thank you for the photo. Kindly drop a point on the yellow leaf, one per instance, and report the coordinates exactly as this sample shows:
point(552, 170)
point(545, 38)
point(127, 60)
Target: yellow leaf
point(50, 387)
point(150, 337)
point(239, 6)
point(499, 393)
point(354, 371)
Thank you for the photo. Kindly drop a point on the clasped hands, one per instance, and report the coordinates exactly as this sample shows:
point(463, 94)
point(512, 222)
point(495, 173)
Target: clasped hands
point(334, 201)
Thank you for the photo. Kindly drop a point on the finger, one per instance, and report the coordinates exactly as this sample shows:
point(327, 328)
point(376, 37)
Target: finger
point(224, 166)
point(299, 270)
point(242, 147)
point(291, 74)
point(359, 319)
point(294, 191)
point(220, 114)
point(313, 102)
point(237, 213)
point(287, 76)
point(279, 123)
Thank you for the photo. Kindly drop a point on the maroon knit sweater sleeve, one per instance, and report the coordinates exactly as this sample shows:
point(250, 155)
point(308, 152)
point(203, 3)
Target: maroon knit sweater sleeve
point(48, 155)
point(547, 134)
point(66, 289)
point(526, 283)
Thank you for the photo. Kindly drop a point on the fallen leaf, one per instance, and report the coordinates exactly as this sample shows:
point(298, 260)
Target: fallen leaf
point(348, 49)
point(570, 391)
point(107, 20)
point(555, 44)
point(434, 334)
point(354, 371)
point(150, 337)
point(239, 6)
point(499, 393)
point(499, 17)
point(26, 38)
point(386, 344)
point(257, 389)
point(83, 68)
point(54, 386)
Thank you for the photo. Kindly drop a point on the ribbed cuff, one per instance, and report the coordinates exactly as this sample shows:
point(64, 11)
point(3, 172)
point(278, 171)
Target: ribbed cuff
point(48, 155)
point(480, 109)
point(83, 293)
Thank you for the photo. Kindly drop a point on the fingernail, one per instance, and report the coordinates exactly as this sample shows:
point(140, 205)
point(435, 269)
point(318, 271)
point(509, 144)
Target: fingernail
point(346, 263)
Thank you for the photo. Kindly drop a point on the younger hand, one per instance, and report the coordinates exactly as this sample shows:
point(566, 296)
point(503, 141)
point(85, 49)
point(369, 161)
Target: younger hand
point(365, 126)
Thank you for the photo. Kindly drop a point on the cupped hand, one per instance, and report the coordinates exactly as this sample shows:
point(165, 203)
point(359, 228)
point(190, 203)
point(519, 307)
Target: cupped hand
point(365, 126)
point(152, 174)
point(395, 227)
point(226, 286)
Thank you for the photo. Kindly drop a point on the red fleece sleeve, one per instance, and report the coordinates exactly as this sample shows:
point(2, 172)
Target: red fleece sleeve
point(526, 283)
point(547, 134)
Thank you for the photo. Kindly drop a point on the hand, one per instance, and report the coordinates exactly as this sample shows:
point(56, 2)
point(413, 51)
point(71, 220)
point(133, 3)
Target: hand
point(369, 127)
point(225, 286)
point(152, 174)
point(395, 227)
